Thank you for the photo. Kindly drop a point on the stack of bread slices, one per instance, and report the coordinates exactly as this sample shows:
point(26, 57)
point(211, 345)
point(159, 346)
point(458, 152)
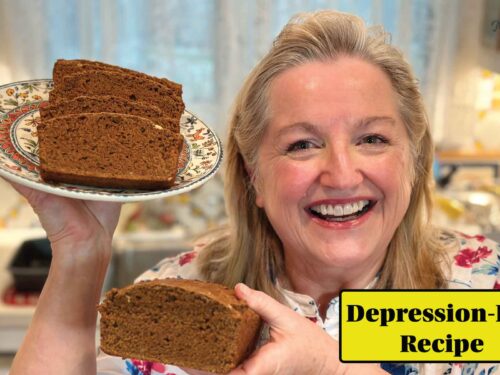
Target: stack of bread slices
point(112, 127)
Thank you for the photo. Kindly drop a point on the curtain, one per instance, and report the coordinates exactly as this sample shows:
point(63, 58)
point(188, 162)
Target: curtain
point(207, 45)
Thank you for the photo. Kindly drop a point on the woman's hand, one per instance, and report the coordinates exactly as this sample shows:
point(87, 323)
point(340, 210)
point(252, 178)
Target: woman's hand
point(80, 233)
point(296, 345)
point(71, 220)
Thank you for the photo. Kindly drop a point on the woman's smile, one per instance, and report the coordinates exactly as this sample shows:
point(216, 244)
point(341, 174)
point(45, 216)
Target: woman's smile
point(340, 212)
point(332, 214)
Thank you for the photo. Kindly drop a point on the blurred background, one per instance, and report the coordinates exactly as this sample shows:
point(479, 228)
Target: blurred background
point(209, 46)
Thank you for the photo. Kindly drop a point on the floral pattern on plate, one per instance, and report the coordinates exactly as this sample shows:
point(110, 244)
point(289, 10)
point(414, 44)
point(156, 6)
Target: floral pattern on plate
point(19, 116)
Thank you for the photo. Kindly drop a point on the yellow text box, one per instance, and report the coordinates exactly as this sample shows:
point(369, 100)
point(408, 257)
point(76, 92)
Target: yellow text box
point(420, 326)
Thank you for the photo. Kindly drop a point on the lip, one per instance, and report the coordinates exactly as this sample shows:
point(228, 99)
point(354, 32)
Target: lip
point(344, 224)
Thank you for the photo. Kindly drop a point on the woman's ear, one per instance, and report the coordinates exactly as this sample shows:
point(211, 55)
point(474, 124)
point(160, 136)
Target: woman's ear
point(259, 201)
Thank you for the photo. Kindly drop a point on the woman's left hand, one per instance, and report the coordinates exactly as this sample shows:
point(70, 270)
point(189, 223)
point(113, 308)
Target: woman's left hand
point(296, 344)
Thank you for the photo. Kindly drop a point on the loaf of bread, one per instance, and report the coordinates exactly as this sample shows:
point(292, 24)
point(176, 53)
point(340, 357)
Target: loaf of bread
point(186, 323)
point(108, 150)
point(64, 68)
point(108, 103)
point(116, 83)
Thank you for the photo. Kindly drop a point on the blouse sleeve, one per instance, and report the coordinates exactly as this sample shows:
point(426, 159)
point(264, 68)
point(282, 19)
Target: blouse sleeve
point(475, 264)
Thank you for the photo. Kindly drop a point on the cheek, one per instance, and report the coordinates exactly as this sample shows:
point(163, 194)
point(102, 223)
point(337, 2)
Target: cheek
point(283, 182)
point(393, 176)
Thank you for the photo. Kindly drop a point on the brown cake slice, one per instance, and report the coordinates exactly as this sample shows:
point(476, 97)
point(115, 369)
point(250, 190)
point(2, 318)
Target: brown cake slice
point(115, 83)
point(108, 150)
point(186, 323)
point(64, 68)
point(107, 103)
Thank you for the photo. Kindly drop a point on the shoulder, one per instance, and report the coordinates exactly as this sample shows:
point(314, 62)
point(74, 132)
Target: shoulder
point(474, 262)
point(183, 266)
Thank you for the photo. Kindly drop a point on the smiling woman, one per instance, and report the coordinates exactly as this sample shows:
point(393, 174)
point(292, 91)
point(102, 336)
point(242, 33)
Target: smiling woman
point(329, 178)
point(333, 103)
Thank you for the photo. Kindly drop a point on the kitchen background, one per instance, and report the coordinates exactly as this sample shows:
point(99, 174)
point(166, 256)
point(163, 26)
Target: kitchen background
point(209, 46)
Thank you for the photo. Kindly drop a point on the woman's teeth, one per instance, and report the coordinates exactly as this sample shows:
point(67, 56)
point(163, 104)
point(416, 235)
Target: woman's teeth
point(341, 211)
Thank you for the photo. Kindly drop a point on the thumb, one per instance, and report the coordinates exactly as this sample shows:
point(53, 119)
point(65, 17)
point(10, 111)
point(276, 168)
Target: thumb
point(271, 311)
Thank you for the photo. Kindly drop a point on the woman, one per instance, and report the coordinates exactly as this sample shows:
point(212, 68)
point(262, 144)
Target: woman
point(328, 187)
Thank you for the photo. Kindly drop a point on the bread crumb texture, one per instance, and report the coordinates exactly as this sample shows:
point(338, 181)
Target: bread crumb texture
point(186, 323)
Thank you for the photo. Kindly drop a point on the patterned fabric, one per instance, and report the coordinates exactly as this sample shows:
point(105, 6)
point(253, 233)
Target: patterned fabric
point(475, 265)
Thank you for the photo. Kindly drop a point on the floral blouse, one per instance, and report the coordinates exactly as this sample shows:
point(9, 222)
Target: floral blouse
point(475, 265)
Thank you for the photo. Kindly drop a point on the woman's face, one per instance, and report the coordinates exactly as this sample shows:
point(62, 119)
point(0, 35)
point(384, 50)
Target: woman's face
point(334, 165)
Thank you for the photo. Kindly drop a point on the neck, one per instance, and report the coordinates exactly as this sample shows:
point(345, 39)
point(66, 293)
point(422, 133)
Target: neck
point(324, 283)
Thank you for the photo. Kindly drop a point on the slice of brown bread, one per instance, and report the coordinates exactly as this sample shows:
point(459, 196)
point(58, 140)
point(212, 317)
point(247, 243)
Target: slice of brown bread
point(187, 323)
point(108, 150)
point(115, 83)
point(107, 103)
point(64, 68)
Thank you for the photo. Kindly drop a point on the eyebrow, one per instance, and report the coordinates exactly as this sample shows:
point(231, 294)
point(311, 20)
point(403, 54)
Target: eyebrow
point(298, 125)
point(369, 120)
point(303, 125)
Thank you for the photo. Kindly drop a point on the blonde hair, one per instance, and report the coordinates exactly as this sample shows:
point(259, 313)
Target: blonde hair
point(249, 250)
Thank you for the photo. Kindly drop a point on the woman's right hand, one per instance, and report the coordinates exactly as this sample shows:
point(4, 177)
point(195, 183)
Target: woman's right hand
point(61, 337)
point(71, 220)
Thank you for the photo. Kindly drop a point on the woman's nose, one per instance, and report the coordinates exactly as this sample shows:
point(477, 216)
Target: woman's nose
point(341, 169)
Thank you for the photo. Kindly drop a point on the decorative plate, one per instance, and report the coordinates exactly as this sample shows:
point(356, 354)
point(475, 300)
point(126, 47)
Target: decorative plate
point(19, 103)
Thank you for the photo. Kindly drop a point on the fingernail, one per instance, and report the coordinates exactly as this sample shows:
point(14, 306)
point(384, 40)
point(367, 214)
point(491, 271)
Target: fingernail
point(243, 289)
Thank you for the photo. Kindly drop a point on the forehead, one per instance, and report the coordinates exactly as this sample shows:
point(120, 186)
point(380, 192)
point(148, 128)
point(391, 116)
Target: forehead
point(347, 88)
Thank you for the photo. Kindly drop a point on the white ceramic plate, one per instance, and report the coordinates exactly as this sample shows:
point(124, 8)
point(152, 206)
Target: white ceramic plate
point(19, 103)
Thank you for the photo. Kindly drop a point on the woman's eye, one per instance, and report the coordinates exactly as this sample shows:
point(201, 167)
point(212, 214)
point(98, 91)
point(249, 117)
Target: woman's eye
point(300, 146)
point(374, 139)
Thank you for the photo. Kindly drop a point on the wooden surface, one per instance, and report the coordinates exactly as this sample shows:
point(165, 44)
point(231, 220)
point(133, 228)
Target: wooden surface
point(469, 156)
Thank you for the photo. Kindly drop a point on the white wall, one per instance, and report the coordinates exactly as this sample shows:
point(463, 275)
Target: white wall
point(457, 128)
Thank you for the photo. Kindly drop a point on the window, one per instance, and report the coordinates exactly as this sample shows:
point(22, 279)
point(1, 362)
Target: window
point(207, 45)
